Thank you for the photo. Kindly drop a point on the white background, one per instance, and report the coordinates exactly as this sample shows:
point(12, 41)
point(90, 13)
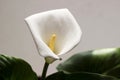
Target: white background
point(99, 21)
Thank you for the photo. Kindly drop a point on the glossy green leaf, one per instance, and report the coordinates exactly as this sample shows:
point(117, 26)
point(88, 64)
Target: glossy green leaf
point(15, 69)
point(103, 61)
point(79, 76)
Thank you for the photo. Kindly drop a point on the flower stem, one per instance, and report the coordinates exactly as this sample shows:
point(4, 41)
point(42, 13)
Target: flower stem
point(45, 70)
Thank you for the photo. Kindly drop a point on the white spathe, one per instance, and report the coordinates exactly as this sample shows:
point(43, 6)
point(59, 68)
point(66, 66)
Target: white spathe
point(59, 22)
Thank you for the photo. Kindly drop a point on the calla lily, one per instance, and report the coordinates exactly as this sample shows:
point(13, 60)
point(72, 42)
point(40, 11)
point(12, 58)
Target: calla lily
point(55, 32)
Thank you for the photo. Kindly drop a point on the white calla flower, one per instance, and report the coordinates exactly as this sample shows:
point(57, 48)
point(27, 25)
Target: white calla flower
point(57, 28)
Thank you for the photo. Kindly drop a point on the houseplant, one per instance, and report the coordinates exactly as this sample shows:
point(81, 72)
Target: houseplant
point(55, 33)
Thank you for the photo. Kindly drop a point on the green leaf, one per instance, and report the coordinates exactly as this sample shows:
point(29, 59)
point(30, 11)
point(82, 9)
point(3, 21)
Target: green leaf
point(103, 61)
point(15, 69)
point(114, 72)
point(79, 76)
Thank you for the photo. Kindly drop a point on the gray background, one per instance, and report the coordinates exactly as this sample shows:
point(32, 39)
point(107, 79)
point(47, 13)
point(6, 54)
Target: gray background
point(99, 21)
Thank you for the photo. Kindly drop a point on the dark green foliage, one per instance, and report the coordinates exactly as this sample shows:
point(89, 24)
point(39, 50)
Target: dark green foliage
point(95, 64)
point(79, 76)
point(15, 69)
